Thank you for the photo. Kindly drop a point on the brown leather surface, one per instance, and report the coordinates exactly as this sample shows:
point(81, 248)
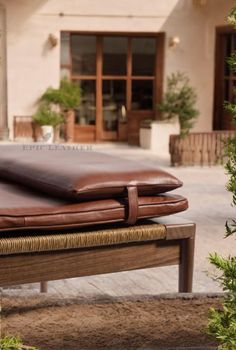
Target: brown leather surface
point(132, 205)
point(24, 209)
point(81, 175)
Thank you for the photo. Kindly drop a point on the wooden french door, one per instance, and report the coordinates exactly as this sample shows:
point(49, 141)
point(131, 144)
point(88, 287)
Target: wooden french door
point(121, 78)
point(225, 79)
point(131, 66)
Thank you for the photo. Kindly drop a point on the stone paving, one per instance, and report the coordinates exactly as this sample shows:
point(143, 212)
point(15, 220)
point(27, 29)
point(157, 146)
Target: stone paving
point(210, 206)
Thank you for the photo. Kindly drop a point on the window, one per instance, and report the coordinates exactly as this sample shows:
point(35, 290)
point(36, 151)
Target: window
point(229, 43)
point(225, 78)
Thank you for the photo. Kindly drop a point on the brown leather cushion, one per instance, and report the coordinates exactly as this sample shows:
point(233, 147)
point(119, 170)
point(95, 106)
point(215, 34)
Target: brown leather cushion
point(81, 175)
point(23, 209)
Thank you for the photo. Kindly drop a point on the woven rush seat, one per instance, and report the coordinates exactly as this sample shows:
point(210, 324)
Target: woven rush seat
point(38, 256)
point(51, 242)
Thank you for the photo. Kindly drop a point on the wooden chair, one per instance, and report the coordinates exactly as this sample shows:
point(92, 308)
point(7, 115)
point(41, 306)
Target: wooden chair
point(40, 258)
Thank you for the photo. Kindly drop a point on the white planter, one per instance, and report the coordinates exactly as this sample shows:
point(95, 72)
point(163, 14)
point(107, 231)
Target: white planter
point(161, 131)
point(145, 138)
point(47, 134)
point(157, 137)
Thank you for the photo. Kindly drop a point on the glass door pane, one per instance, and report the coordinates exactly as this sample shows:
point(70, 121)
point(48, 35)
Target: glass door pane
point(114, 100)
point(86, 113)
point(143, 56)
point(114, 55)
point(83, 54)
point(227, 53)
point(65, 55)
point(142, 94)
point(65, 48)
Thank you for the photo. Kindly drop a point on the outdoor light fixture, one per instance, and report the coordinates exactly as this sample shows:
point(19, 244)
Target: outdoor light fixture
point(174, 42)
point(52, 40)
point(199, 3)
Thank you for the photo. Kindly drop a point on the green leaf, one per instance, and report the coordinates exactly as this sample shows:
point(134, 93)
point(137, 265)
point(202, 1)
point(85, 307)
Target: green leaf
point(46, 116)
point(13, 343)
point(68, 95)
point(179, 101)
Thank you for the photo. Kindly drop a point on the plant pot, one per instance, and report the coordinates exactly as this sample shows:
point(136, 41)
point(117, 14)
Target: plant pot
point(155, 135)
point(161, 131)
point(57, 132)
point(69, 125)
point(47, 134)
point(145, 135)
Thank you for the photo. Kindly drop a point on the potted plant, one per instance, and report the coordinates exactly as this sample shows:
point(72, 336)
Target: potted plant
point(178, 114)
point(48, 119)
point(67, 97)
point(179, 102)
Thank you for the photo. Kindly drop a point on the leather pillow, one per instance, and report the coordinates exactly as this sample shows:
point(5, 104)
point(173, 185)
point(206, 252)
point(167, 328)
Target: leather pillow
point(24, 209)
point(79, 175)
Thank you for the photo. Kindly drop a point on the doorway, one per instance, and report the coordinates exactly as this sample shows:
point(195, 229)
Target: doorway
point(225, 78)
point(120, 76)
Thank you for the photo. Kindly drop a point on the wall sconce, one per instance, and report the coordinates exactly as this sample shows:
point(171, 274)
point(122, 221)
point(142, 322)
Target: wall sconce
point(199, 3)
point(174, 41)
point(52, 40)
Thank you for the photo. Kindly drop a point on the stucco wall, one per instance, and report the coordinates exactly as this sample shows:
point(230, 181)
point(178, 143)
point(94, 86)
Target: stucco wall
point(33, 66)
point(3, 82)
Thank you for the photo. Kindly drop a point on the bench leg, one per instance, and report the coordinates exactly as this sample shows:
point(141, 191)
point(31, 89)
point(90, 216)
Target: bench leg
point(186, 265)
point(43, 287)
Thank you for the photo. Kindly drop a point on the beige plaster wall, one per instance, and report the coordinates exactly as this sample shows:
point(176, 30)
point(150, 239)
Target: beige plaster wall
point(3, 82)
point(32, 65)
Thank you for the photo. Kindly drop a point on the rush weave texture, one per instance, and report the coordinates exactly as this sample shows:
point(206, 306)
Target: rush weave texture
point(47, 242)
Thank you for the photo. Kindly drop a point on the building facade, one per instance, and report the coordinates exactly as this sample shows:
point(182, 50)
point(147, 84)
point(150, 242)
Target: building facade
point(120, 53)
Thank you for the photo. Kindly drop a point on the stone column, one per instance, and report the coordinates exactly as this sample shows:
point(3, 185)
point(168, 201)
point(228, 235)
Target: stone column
point(3, 76)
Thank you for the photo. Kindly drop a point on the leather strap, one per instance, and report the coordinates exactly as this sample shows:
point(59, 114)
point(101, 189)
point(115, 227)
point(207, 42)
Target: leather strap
point(132, 205)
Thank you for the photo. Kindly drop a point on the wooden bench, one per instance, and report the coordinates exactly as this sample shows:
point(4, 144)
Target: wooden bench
point(152, 243)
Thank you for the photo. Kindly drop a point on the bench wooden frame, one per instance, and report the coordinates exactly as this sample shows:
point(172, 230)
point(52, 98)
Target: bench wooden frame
point(176, 249)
